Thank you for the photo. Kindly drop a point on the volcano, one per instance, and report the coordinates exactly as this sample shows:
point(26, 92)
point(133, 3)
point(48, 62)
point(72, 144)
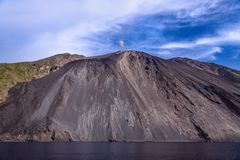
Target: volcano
point(126, 96)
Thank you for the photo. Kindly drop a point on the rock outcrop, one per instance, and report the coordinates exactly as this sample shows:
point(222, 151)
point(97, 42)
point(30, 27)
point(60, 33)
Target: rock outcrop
point(125, 96)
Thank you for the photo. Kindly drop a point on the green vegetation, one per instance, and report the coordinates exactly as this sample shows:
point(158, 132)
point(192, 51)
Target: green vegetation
point(11, 74)
point(226, 72)
point(233, 73)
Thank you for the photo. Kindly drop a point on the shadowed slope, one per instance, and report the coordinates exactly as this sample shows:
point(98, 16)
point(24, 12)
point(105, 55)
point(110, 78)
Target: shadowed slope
point(11, 74)
point(124, 96)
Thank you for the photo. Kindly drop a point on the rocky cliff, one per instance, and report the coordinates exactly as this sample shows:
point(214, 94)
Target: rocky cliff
point(126, 96)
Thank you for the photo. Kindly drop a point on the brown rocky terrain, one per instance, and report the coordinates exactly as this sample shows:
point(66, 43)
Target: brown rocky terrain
point(126, 96)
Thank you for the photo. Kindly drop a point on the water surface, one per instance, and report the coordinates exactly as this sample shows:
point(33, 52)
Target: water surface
point(119, 151)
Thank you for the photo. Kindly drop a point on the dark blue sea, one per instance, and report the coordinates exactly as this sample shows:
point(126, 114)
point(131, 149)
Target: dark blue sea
point(119, 151)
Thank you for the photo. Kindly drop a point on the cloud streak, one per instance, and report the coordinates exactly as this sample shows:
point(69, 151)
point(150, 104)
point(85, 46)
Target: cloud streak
point(224, 37)
point(213, 44)
point(62, 26)
point(33, 29)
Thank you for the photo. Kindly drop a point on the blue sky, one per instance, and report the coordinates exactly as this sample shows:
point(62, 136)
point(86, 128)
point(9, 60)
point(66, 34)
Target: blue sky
point(206, 30)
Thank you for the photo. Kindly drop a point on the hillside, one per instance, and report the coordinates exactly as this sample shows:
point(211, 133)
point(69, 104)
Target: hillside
point(126, 96)
point(11, 74)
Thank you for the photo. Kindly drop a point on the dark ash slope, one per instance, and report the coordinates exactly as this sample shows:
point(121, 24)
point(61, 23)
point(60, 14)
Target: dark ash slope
point(125, 96)
point(13, 73)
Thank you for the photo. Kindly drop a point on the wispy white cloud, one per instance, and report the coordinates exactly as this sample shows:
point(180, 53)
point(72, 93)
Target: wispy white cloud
point(236, 55)
point(66, 25)
point(212, 44)
point(208, 54)
point(175, 45)
point(223, 37)
point(197, 53)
